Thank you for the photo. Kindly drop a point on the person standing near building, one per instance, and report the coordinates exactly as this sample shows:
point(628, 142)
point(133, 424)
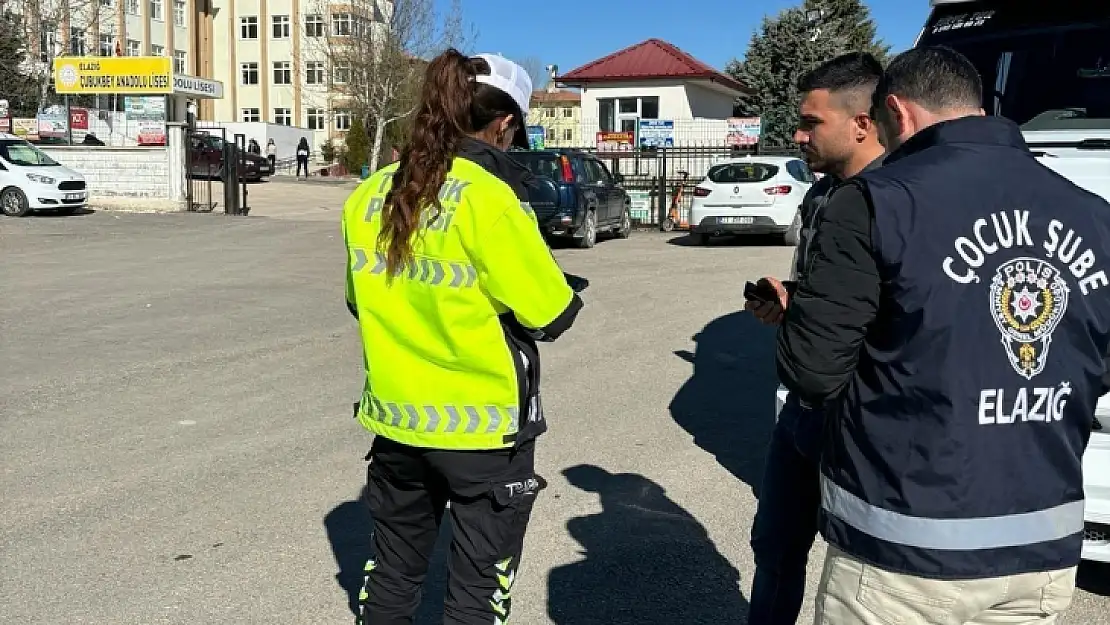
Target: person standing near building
point(271, 153)
point(453, 285)
point(954, 321)
point(303, 152)
point(838, 139)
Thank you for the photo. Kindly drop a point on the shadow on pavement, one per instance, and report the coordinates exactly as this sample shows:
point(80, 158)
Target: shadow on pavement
point(728, 404)
point(760, 240)
point(1094, 577)
point(80, 212)
point(647, 561)
point(348, 527)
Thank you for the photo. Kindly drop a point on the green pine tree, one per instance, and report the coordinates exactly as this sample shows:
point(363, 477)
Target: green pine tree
point(357, 148)
point(784, 48)
point(20, 90)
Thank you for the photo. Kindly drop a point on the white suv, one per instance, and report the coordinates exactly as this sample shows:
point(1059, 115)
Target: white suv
point(751, 195)
point(32, 181)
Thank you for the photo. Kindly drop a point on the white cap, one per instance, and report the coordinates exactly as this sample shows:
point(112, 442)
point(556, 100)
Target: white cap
point(510, 78)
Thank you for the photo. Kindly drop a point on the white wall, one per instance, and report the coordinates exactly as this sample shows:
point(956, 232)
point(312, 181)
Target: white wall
point(709, 103)
point(285, 137)
point(118, 172)
point(673, 103)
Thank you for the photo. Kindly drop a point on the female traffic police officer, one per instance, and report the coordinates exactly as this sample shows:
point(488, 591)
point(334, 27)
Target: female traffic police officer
point(452, 285)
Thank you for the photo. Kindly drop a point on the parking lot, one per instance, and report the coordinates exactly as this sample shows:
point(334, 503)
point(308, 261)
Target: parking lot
point(178, 443)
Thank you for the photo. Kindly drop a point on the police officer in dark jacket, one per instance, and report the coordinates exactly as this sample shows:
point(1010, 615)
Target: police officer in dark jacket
point(839, 140)
point(953, 321)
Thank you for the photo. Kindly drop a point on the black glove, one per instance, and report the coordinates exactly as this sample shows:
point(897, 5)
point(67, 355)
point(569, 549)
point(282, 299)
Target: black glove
point(577, 283)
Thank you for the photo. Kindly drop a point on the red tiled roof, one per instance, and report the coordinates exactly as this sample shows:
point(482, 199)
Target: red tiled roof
point(539, 97)
point(651, 59)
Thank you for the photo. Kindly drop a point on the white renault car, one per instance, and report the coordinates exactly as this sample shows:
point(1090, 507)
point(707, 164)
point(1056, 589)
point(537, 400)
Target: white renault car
point(32, 181)
point(751, 195)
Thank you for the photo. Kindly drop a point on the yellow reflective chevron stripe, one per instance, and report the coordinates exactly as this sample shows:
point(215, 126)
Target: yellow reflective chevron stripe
point(501, 602)
point(446, 419)
point(443, 273)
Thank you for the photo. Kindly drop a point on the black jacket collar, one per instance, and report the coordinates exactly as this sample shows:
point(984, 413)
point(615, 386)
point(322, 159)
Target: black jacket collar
point(497, 163)
point(973, 130)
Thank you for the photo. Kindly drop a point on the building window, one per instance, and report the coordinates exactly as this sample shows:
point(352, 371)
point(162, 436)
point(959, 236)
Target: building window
point(156, 10)
point(248, 27)
point(341, 73)
point(48, 37)
point(157, 50)
point(133, 48)
point(342, 119)
point(77, 42)
point(315, 119)
point(606, 115)
point(628, 105)
point(649, 107)
point(132, 7)
point(106, 47)
point(314, 73)
point(283, 73)
point(249, 72)
point(283, 116)
point(251, 115)
point(179, 13)
point(568, 112)
point(568, 134)
point(314, 25)
point(180, 62)
point(342, 24)
point(549, 112)
point(105, 3)
point(550, 134)
point(281, 26)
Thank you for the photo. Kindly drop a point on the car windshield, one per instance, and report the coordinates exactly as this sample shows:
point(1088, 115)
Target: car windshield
point(539, 163)
point(1044, 66)
point(19, 152)
point(732, 173)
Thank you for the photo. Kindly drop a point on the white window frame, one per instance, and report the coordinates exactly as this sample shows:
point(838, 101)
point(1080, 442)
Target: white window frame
point(342, 119)
point(248, 23)
point(315, 119)
point(341, 72)
point(342, 22)
point(180, 62)
point(78, 42)
point(246, 70)
point(157, 10)
point(315, 25)
point(281, 27)
point(134, 47)
point(283, 116)
point(284, 70)
point(107, 45)
point(180, 18)
point(157, 50)
point(314, 73)
point(132, 7)
point(250, 115)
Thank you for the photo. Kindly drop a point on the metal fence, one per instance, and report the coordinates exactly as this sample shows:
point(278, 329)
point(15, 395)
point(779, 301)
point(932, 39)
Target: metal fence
point(653, 177)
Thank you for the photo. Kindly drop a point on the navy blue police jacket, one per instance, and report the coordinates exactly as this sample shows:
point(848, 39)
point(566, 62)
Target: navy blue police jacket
point(954, 320)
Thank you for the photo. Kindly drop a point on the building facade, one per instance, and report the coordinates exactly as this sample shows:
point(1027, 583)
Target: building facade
point(559, 112)
point(273, 58)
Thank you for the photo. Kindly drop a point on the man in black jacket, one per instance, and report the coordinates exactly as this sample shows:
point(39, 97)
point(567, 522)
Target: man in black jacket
point(953, 322)
point(839, 140)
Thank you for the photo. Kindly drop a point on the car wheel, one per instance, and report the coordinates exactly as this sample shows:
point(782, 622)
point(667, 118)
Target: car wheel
point(13, 203)
point(793, 234)
point(589, 231)
point(625, 229)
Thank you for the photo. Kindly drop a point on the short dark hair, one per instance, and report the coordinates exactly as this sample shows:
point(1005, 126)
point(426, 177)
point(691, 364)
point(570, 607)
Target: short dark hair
point(935, 77)
point(854, 74)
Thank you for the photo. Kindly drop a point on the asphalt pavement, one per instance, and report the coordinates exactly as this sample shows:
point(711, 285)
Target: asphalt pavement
point(178, 444)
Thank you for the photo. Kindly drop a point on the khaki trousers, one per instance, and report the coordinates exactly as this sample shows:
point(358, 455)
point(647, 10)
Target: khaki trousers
point(855, 593)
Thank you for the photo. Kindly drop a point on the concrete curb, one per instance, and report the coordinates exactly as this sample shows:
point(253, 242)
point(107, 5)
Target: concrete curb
point(135, 205)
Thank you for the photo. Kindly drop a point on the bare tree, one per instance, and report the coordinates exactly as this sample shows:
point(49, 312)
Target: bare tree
point(378, 51)
point(48, 29)
point(536, 71)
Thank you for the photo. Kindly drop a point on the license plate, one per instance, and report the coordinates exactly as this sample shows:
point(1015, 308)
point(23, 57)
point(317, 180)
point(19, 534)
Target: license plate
point(74, 196)
point(738, 221)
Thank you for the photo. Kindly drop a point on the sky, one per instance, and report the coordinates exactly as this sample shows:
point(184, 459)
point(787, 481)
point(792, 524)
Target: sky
point(570, 33)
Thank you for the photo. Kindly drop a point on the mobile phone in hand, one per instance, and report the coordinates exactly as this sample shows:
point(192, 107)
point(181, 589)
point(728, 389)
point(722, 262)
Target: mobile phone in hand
point(761, 291)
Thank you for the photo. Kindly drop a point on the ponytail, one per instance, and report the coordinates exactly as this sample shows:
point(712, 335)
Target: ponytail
point(442, 118)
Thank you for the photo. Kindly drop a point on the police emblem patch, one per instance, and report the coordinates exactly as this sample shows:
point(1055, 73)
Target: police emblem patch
point(1028, 299)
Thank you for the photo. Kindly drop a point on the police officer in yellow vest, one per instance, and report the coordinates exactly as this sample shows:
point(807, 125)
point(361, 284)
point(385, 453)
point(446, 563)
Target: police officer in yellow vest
point(453, 285)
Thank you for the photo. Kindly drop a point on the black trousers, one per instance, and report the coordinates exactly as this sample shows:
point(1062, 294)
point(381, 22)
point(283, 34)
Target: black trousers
point(302, 161)
point(491, 494)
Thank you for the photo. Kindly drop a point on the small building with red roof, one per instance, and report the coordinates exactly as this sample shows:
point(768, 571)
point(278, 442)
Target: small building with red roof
point(654, 80)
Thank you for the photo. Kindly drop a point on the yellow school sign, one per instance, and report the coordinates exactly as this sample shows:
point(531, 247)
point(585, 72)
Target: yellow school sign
point(135, 75)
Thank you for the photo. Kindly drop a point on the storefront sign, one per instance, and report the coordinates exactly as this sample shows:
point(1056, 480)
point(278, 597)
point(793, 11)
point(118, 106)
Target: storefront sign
point(536, 135)
point(615, 141)
point(110, 74)
point(197, 87)
point(79, 118)
point(149, 114)
point(743, 131)
point(656, 133)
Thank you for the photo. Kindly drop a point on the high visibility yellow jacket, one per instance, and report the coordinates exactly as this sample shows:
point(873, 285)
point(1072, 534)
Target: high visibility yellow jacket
point(449, 342)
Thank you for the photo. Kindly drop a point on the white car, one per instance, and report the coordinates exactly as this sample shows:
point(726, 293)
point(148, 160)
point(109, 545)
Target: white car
point(751, 195)
point(1096, 481)
point(32, 181)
